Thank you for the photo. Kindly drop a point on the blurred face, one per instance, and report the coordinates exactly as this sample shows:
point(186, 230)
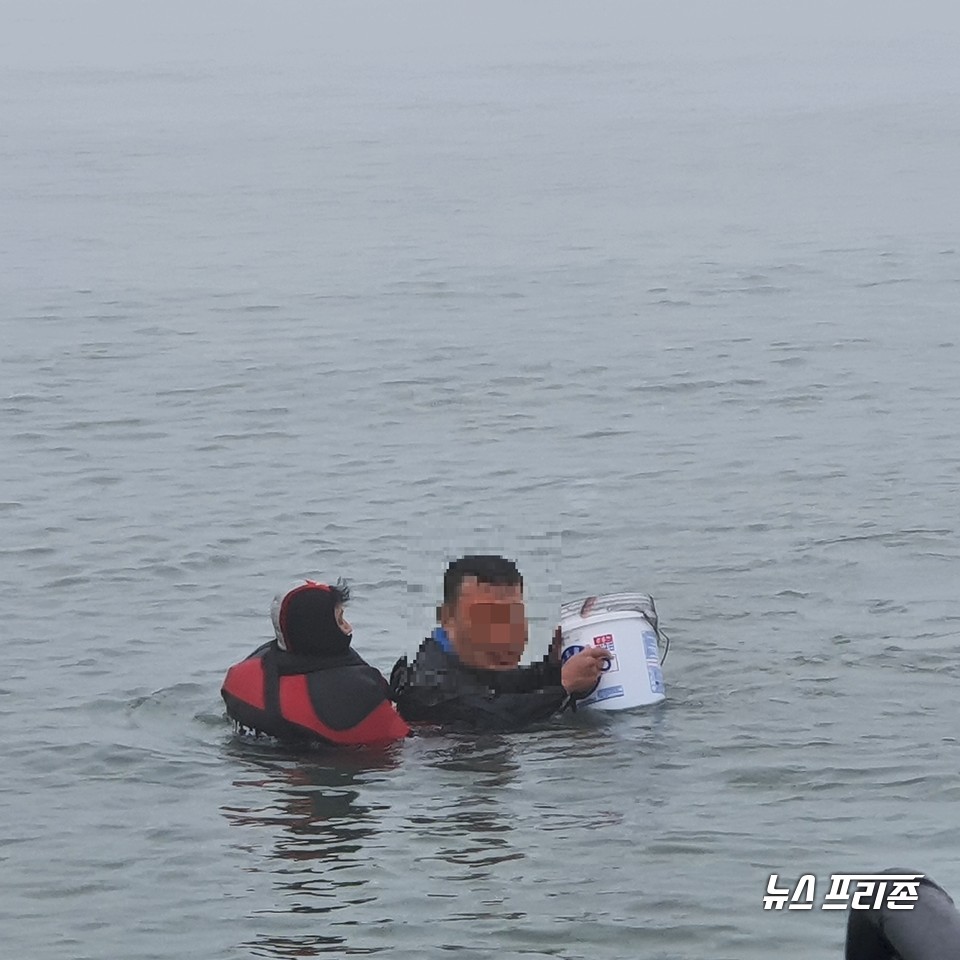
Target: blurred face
point(488, 625)
point(342, 622)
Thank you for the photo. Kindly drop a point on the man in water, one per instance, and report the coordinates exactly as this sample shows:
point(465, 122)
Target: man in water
point(467, 675)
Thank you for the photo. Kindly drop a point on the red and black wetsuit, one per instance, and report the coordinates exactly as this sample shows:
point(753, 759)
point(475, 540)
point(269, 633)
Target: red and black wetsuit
point(339, 699)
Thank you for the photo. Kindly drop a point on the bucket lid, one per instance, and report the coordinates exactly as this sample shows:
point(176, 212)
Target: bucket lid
point(611, 603)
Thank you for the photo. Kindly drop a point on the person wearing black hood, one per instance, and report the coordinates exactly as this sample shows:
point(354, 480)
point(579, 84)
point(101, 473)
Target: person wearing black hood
point(307, 683)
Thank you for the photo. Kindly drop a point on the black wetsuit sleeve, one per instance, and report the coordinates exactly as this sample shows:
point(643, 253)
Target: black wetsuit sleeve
point(536, 676)
point(479, 711)
point(439, 691)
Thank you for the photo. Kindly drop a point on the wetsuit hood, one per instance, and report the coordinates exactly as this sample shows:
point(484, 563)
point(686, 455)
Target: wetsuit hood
point(305, 621)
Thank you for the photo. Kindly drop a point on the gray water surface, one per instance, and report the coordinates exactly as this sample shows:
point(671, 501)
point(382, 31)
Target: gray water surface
point(647, 299)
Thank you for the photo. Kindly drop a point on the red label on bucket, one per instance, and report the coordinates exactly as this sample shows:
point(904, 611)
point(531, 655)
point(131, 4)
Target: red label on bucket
point(606, 640)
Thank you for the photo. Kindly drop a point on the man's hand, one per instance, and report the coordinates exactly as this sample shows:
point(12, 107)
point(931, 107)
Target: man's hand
point(581, 672)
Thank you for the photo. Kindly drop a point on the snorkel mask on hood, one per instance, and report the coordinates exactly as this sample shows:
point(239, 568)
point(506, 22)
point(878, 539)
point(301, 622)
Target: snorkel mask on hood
point(305, 619)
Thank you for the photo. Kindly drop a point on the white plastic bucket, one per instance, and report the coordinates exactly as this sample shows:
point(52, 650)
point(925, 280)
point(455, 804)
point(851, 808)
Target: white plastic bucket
point(626, 626)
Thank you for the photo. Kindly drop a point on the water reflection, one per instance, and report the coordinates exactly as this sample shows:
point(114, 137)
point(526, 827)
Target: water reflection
point(471, 833)
point(491, 756)
point(362, 851)
point(311, 802)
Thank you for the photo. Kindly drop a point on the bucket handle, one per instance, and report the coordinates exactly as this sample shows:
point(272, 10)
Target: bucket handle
point(666, 647)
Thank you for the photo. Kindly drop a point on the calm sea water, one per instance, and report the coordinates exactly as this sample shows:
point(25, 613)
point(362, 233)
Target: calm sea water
point(648, 300)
